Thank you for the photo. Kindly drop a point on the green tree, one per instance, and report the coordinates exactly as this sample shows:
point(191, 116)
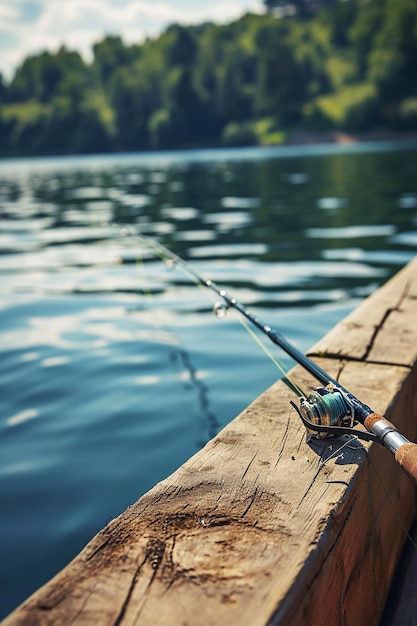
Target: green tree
point(55, 110)
point(339, 64)
point(134, 98)
point(43, 77)
point(281, 90)
point(340, 17)
point(363, 32)
point(393, 59)
point(226, 70)
point(180, 46)
point(110, 54)
point(4, 91)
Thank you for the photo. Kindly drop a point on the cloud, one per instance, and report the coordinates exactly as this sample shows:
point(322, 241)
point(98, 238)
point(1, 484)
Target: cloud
point(30, 26)
point(9, 11)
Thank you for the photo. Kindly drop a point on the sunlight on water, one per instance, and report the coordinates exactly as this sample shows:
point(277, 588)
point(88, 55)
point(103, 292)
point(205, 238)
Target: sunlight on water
point(22, 416)
point(227, 220)
point(408, 201)
point(228, 250)
point(180, 213)
point(115, 370)
point(406, 239)
point(240, 203)
point(332, 203)
point(351, 232)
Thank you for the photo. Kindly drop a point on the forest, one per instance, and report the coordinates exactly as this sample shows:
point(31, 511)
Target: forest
point(347, 65)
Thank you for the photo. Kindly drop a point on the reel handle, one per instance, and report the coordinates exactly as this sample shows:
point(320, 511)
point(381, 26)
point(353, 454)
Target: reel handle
point(404, 451)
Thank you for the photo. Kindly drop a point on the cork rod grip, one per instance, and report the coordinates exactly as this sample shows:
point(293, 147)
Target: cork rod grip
point(405, 452)
point(406, 457)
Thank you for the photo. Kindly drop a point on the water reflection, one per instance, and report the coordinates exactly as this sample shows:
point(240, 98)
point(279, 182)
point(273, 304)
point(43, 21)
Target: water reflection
point(351, 232)
point(114, 370)
point(407, 201)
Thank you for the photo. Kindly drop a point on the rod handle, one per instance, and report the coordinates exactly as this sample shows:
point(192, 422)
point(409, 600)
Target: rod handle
point(406, 457)
point(404, 451)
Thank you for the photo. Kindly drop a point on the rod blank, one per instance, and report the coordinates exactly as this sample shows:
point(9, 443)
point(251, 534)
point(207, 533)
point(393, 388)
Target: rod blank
point(404, 451)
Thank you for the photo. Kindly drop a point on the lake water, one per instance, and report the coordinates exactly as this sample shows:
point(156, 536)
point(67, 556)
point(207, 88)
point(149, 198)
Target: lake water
point(113, 369)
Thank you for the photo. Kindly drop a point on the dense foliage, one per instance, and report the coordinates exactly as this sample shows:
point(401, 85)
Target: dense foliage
point(351, 65)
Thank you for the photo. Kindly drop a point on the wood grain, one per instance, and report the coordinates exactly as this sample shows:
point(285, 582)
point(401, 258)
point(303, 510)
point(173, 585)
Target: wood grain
point(383, 328)
point(262, 527)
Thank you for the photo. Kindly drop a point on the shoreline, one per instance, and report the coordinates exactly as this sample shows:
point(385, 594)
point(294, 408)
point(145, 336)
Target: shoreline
point(296, 138)
point(301, 137)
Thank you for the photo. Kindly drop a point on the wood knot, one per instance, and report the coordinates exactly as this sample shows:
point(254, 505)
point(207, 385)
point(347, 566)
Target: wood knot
point(228, 551)
point(154, 552)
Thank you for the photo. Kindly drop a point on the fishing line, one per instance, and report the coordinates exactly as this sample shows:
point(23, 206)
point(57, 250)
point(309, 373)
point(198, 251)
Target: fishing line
point(373, 536)
point(346, 444)
point(220, 309)
point(394, 508)
point(330, 410)
point(212, 421)
point(291, 383)
point(377, 593)
point(335, 454)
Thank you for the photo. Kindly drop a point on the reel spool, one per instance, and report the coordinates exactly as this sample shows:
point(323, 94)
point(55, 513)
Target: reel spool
point(330, 412)
point(327, 407)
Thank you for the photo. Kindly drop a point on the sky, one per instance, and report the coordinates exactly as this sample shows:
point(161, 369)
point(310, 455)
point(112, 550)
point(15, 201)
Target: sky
point(31, 26)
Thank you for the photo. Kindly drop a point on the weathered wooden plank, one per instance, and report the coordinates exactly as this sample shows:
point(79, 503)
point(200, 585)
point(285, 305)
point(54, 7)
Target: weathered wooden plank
point(401, 609)
point(226, 539)
point(383, 328)
point(260, 527)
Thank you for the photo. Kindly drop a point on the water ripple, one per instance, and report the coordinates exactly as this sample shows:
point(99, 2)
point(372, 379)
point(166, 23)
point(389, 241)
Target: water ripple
point(114, 371)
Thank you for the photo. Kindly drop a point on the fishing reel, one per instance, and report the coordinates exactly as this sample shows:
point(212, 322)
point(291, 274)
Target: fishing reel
point(330, 412)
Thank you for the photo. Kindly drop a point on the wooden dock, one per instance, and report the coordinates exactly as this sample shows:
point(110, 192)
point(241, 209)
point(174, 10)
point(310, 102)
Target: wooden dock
point(261, 527)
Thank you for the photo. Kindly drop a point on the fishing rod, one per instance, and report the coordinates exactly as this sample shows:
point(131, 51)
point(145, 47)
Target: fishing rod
point(330, 410)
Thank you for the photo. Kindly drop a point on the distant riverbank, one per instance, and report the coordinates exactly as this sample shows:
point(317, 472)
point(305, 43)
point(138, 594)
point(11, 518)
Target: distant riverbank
point(302, 137)
point(291, 138)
